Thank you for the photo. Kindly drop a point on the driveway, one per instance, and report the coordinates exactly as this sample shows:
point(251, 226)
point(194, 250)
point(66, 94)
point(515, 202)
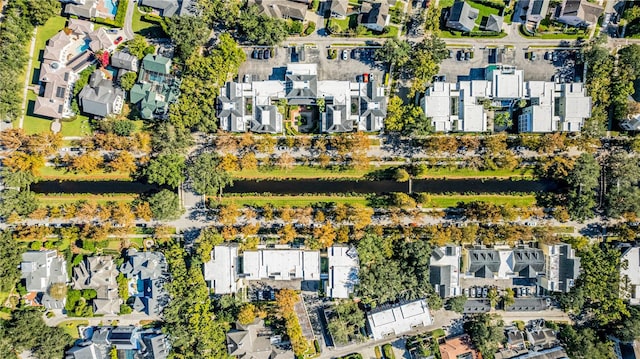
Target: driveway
point(128, 21)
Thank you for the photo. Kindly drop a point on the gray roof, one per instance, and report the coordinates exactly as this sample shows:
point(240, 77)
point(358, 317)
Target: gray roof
point(149, 270)
point(462, 17)
point(245, 340)
point(374, 13)
point(266, 119)
point(157, 345)
point(569, 268)
point(99, 273)
point(281, 9)
point(336, 119)
point(40, 269)
point(167, 8)
point(484, 262)
point(441, 276)
point(84, 351)
point(86, 10)
point(528, 262)
point(231, 106)
point(301, 89)
point(537, 10)
point(494, 23)
point(476, 306)
point(98, 97)
point(527, 305)
point(124, 337)
point(123, 60)
point(339, 7)
point(372, 106)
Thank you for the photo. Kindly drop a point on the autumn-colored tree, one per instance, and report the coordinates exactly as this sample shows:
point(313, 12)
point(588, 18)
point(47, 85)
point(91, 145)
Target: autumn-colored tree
point(286, 161)
point(123, 162)
point(246, 141)
point(14, 217)
point(324, 236)
point(286, 213)
point(323, 160)
point(69, 210)
point(88, 162)
point(340, 212)
point(23, 162)
point(229, 233)
point(228, 162)
point(286, 300)
point(87, 211)
point(58, 291)
point(104, 212)
point(227, 215)
point(13, 138)
point(225, 142)
point(143, 211)
point(496, 143)
point(266, 144)
point(303, 141)
point(162, 232)
point(44, 144)
point(248, 161)
point(342, 234)
point(303, 215)
point(287, 234)
point(250, 230)
point(247, 314)
point(249, 213)
point(121, 214)
point(319, 216)
point(39, 214)
point(360, 216)
point(143, 142)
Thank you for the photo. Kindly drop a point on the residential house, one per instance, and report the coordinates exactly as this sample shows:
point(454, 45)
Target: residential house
point(125, 61)
point(129, 341)
point(100, 97)
point(374, 15)
point(473, 306)
point(99, 273)
point(281, 264)
point(536, 12)
point(515, 340)
point(347, 105)
point(462, 16)
point(343, 271)
point(282, 9)
point(221, 271)
point(169, 8)
point(40, 270)
point(578, 13)
point(254, 341)
point(562, 268)
point(339, 8)
point(542, 341)
point(505, 263)
point(444, 267)
point(84, 9)
point(632, 123)
point(156, 89)
point(147, 273)
point(67, 53)
point(541, 338)
point(494, 23)
point(397, 319)
point(458, 348)
point(630, 274)
point(460, 106)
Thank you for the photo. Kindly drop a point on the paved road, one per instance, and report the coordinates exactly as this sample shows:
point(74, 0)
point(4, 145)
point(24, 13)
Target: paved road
point(128, 20)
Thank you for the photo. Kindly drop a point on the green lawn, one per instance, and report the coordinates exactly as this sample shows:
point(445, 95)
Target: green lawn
point(71, 327)
point(36, 124)
point(351, 22)
point(552, 36)
point(51, 173)
point(44, 32)
point(446, 3)
point(304, 172)
point(447, 201)
point(292, 201)
point(145, 28)
point(485, 10)
point(473, 173)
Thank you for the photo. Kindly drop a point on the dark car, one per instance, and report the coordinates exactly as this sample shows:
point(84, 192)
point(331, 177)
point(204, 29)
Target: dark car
point(467, 56)
point(260, 54)
point(267, 54)
point(254, 54)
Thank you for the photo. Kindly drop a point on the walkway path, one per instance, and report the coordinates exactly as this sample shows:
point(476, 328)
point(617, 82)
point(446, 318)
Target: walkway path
point(27, 78)
point(128, 21)
point(127, 319)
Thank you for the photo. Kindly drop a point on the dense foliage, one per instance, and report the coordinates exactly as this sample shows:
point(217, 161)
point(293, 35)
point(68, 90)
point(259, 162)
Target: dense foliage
point(486, 332)
point(27, 331)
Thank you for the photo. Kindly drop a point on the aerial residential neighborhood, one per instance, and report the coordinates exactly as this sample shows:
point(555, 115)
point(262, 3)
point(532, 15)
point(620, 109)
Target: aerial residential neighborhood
point(330, 179)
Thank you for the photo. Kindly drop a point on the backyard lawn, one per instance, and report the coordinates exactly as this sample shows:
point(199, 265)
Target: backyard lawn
point(144, 27)
point(351, 22)
point(36, 124)
point(71, 327)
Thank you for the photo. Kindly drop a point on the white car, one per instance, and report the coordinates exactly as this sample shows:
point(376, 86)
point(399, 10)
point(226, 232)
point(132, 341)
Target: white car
point(473, 292)
point(485, 291)
point(345, 54)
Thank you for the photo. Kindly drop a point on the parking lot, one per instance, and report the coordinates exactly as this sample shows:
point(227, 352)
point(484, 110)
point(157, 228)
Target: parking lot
point(359, 61)
point(536, 64)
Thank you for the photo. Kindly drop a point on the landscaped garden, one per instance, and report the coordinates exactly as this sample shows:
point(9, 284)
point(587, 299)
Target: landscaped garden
point(349, 27)
point(485, 9)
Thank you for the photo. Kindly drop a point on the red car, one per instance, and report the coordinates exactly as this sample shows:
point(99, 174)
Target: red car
point(118, 40)
point(365, 77)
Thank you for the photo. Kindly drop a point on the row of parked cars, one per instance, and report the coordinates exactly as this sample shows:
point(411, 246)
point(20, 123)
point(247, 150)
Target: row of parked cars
point(260, 54)
point(482, 292)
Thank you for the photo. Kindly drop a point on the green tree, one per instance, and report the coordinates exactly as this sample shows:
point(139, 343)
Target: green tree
point(261, 29)
point(165, 205)
point(10, 256)
point(20, 202)
point(208, 238)
point(166, 169)
point(41, 10)
point(395, 52)
point(401, 175)
point(622, 195)
point(583, 182)
point(486, 332)
point(19, 179)
point(139, 47)
point(188, 33)
point(207, 178)
point(585, 343)
point(27, 331)
point(502, 119)
point(457, 303)
point(128, 80)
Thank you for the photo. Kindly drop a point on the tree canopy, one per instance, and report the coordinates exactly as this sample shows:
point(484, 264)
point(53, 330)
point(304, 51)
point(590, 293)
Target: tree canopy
point(166, 169)
point(206, 176)
point(583, 182)
point(165, 205)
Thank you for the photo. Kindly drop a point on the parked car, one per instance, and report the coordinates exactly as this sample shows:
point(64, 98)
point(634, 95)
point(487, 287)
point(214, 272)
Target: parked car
point(267, 54)
point(345, 54)
point(555, 56)
point(118, 40)
point(260, 54)
point(534, 56)
point(473, 292)
point(467, 56)
point(459, 55)
point(365, 78)
point(485, 291)
point(520, 292)
point(112, 31)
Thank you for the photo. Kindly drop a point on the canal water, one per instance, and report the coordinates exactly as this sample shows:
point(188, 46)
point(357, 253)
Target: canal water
point(301, 186)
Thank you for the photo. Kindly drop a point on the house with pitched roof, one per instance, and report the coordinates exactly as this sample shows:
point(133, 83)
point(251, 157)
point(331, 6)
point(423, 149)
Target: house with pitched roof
point(444, 270)
point(374, 15)
point(124, 60)
point(99, 273)
point(169, 8)
point(504, 263)
point(147, 273)
point(578, 13)
point(67, 53)
point(129, 341)
point(156, 89)
point(85, 9)
point(100, 97)
point(339, 8)
point(536, 11)
point(254, 341)
point(494, 23)
point(282, 9)
point(40, 270)
point(253, 106)
point(462, 17)
point(562, 268)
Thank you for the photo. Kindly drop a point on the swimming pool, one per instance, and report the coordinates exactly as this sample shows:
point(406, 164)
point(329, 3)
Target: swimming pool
point(111, 6)
point(84, 47)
